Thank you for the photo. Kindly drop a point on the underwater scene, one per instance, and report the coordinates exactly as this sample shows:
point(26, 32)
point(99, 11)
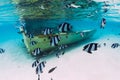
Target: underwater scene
point(59, 39)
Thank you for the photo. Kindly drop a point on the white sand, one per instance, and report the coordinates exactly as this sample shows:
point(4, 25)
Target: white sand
point(103, 64)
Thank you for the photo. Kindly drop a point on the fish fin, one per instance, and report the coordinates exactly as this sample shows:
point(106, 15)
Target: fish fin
point(33, 65)
point(38, 77)
point(89, 52)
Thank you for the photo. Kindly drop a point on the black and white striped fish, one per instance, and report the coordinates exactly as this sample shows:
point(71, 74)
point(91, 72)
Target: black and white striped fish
point(103, 22)
point(35, 63)
point(91, 47)
point(47, 31)
point(22, 30)
point(36, 51)
point(115, 45)
point(30, 36)
point(64, 27)
point(2, 50)
point(39, 68)
point(32, 43)
point(61, 47)
point(61, 50)
point(54, 40)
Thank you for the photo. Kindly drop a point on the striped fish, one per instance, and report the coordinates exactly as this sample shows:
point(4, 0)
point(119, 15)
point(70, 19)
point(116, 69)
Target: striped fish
point(33, 43)
point(30, 36)
point(54, 40)
point(47, 31)
point(23, 30)
point(103, 22)
point(35, 63)
point(60, 53)
point(61, 50)
point(64, 27)
point(115, 45)
point(2, 50)
point(91, 47)
point(37, 51)
point(39, 68)
point(62, 47)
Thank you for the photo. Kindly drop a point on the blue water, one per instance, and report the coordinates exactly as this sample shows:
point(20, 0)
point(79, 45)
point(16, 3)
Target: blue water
point(9, 19)
point(10, 40)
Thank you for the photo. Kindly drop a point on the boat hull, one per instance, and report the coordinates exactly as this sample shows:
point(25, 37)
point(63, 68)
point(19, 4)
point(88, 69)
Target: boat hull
point(43, 41)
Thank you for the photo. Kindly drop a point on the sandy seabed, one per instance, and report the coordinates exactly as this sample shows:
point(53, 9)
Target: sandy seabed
point(103, 64)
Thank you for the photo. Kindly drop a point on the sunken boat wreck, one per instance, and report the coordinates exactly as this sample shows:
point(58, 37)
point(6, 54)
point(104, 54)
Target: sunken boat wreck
point(44, 41)
point(49, 13)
